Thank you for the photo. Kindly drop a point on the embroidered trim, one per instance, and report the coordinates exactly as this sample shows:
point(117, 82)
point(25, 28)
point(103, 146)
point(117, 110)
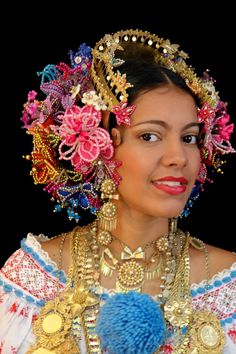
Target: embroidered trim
point(219, 279)
point(50, 268)
point(8, 288)
point(34, 242)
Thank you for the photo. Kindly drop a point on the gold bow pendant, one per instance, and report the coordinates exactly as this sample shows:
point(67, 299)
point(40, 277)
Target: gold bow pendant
point(128, 254)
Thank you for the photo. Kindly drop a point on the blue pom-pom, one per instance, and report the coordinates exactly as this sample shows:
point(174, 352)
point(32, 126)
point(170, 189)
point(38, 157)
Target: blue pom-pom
point(131, 323)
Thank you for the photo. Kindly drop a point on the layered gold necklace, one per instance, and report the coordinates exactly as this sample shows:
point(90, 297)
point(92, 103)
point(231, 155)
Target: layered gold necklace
point(72, 314)
point(133, 267)
point(197, 332)
point(203, 333)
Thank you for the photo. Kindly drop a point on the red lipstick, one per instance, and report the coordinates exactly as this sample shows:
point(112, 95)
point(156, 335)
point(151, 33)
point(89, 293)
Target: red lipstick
point(171, 184)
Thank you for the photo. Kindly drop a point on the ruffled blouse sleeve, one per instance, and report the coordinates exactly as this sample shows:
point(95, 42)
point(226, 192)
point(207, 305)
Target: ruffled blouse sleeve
point(27, 280)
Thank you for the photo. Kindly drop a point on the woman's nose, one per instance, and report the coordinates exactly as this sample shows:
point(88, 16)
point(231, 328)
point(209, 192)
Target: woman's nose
point(175, 154)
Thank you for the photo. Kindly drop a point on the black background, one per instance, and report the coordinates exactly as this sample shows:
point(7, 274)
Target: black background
point(44, 34)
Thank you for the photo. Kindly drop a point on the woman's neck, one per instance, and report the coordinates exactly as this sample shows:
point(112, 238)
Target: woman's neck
point(135, 230)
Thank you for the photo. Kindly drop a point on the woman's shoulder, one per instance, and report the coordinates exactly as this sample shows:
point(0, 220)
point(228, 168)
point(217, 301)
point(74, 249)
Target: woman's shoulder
point(209, 261)
point(219, 259)
point(58, 247)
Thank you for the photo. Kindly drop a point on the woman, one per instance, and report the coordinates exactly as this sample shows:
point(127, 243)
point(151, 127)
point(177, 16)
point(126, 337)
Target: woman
point(128, 133)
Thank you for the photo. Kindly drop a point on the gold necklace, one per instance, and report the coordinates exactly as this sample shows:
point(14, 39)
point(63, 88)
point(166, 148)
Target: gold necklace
point(204, 333)
point(65, 313)
point(54, 321)
point(63, 319)
point(130, 273)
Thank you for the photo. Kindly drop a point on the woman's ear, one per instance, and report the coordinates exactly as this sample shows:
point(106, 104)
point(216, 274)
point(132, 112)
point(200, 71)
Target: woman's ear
point(116, 136)
point(115, 132)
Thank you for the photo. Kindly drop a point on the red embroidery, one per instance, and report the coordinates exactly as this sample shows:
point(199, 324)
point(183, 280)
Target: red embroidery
point(219, 300)
point(13, 350)
point(35, 317)
point(24, 312)
point(1, 346)
point(1, 301)
point(28, 274)
point(232, 333)
point(167, 348)
point(14, 307)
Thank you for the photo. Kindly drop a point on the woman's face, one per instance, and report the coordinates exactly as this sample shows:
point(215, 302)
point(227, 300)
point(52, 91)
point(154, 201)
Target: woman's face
point(159, 153)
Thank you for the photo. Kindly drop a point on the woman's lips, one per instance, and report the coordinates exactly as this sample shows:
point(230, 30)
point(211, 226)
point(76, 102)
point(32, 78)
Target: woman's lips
point(171, 185)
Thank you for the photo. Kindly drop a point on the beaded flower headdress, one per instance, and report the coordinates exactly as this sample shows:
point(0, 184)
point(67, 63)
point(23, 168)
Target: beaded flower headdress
point(72, 153)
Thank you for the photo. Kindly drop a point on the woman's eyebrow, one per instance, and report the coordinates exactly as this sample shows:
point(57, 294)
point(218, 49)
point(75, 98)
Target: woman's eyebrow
point(190, 125)
point(153, 121)
point(166, 125)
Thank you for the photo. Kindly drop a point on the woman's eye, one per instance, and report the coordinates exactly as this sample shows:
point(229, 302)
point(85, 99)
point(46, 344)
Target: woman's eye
point(149, 137)
point(191, 139)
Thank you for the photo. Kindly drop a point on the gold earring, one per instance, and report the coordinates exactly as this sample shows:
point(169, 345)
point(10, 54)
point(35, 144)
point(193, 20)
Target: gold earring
point(107, 216)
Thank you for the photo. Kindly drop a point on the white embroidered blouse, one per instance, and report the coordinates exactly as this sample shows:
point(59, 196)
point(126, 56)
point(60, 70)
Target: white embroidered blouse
point(30, 277)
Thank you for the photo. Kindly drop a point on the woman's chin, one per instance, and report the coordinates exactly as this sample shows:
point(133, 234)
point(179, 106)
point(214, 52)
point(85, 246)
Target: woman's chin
point(171, 209)
point(170, 212)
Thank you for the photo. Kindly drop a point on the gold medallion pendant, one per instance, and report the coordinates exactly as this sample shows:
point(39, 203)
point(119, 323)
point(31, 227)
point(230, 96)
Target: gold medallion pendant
point(130, 276)
point(53, 327)
point(206, 334)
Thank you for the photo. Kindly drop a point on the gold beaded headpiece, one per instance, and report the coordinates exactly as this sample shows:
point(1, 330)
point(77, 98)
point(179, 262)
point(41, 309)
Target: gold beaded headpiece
point(112, 85)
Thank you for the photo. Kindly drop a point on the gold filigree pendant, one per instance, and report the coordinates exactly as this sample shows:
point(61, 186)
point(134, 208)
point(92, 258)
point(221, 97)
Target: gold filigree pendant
point(130, 276)
point(52, 326)
point(178, 312)
point(206, 334)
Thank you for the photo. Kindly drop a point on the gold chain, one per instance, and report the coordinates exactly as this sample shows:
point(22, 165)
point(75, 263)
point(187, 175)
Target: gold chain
point(147, 245)
point(60, 260)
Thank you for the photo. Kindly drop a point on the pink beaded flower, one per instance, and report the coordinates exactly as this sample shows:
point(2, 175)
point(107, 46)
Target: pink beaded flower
point(123, 113)
point(82, 139)
point(216, 129)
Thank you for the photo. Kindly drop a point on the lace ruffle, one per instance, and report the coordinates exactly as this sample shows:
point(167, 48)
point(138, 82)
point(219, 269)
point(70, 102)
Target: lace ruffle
point(218, 277)
point(33, 241)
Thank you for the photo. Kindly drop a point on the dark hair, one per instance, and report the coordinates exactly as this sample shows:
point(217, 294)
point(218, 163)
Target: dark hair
point(145, 74)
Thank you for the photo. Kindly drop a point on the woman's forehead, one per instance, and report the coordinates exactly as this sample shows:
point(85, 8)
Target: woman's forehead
point(161, 104)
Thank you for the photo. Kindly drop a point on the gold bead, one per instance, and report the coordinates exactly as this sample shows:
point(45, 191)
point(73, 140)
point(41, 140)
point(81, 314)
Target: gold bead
point(27, 157)
point(108, 186)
